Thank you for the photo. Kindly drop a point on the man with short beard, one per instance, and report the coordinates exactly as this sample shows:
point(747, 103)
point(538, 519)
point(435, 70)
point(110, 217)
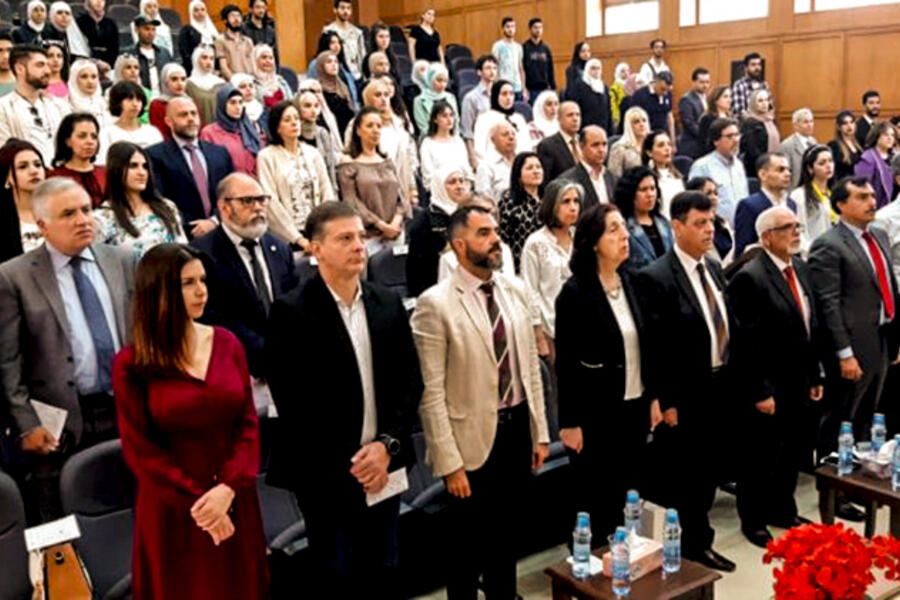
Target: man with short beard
point(29, 114)
point(482, 410)
point(7, 79)
point(260, 27)
point(751, 81)
point(246, 268)
point(151, 57)
point(234, 50)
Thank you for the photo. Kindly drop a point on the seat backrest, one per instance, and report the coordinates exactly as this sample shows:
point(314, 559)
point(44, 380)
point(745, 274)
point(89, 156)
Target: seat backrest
point(524, 109)
point(463, 90)
point(99, 489)
point(305, 269)
point(456, 50)
point(400, 48)
point(388, 268)
point(397, 34)
point(290, 76)
point(122, 14)
point(14, 581)
point(467, 77)
point(279, 508)
point(6, 13)
point(404, 67)
point(461, 62)
point(683, 164)
point(170, 17)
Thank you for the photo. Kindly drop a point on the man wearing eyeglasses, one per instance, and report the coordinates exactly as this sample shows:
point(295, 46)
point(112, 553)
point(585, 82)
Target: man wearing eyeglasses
point(246, 268)
point(774, 172)
point(722, 166)
point(27, 113)
point(771, 301)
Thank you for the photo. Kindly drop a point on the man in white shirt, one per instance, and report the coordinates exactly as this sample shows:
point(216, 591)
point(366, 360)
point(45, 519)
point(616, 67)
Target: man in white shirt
point(27, 113)
point(477, 101)
point(722, 166)
point(796, 144)
point(598, 183)
point(351, 35)
point(774, 174)
point(492, 177)
point(656, 63)
point(509, 55)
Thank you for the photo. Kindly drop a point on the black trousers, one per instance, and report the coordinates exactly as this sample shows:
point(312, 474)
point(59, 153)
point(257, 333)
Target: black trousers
point(485, 527)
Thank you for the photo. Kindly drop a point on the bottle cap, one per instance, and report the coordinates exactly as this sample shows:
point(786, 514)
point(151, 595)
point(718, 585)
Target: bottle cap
point(583, 521)
point(632, 496)
point(621, 535)
point(878, 418)
point(846, 427)
point(672, 514)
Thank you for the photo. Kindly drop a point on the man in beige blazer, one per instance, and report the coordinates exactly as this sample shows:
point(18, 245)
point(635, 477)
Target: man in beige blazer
point(483, 406)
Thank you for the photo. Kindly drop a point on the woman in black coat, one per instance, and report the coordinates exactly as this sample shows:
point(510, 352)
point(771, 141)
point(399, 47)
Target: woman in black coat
point(592, 96)
point(605, 410)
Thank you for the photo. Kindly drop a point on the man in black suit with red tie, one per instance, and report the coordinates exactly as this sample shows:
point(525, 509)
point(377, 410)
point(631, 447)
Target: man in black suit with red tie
point(684, 304)
point(776, 373)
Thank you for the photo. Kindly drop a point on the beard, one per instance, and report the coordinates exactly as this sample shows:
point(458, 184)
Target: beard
point(38, 83)
point(253, 229)
point(486, 261)
point(233, 27)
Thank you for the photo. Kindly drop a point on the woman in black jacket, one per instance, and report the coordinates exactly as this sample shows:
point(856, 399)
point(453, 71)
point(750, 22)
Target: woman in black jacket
point(605, 410)
point(592, 96)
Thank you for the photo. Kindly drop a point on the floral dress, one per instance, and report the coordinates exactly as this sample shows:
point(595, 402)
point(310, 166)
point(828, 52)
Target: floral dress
point(152, 229)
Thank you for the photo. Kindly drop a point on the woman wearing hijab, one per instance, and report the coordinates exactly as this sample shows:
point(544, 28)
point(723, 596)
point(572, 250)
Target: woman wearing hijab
point(172, 84)
point(253, 108)
point(326, 117)
point(436, 80)
point(545, 122)
point(332, 42)
point(200, 31)
point(309, 105)
point(580, 55)
point(380, 41)
point(617, 92)
point(203, 83)
point(85, 94)
point(758, 131)
point(271, 88)
point(233, 130)
point(591, 95)
point(502, 109)
point(61, 20)
point(163, 39)
point(34, 30)
point(337, 95)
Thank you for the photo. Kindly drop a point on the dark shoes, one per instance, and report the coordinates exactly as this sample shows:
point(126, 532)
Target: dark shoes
point(848, 512)
point(798, 520)
point(712, 559)
point(757, 537)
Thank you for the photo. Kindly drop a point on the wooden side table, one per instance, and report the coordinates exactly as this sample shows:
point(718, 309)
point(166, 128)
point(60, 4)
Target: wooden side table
point(868, 490)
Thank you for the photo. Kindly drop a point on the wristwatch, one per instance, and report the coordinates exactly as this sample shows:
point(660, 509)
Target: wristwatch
point(391, 444)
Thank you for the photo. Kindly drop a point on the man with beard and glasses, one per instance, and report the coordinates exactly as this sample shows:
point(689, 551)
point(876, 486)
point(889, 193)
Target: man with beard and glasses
point(482, 410)
point(234, 50)
point(746, 85)
point(246, 268)
point(28, 113)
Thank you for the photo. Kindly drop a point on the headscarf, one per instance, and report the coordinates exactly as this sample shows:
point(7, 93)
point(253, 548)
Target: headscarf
point(752, 110)
point(163, 33)
point(595, 84)
point(495, 99)
point(267, 82)
point(253, 109)
point(95, 104)
point(633, 83)
point(207, 29)
point(429, 96)
point(168, 69)
point(249, 134)
point(78, 45)
point(330, 83)
point(326, 114)
point(767, 119)
point(31, 7)
point(119, 67)
point(619, 73)
point(547, 126)
point(207, 80)
point(418, 74)
point(439, 197)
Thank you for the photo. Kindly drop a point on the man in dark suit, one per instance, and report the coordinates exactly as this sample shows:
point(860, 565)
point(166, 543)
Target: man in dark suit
point(345, 378)
point(590, 171)
point(872, 105)
point(64, 313)
point(560, 151)
point(690, 108)
point(683, 299)
point(188, 170)
point(774, 172)
point(856, 296)
point(776, 373)
point(246, 268)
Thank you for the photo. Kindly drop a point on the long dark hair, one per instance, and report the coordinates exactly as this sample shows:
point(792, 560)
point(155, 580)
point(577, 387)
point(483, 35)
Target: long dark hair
point(810, 155)
point(64, 72)
point(846, 151)
point(627, 188)
point(389, 52)
point(713, 98)
point(354, 147)
point(160, 319)
point(64, 152)
point(647, 151)
point(576, 55)
point(8, 153)
point(325, 44)
point(516, 190)
point(590, 228)
point(438, 107)
point(117, 160)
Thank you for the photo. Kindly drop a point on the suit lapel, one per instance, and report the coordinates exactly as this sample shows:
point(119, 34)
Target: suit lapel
point(477, 314)
point(115, 283)
point(180, 162)
point(681, 279)
point(852, 243)
point(270, 252)
point(587, 184)
point(229, 253)
point(782, 286)
point(45, 278)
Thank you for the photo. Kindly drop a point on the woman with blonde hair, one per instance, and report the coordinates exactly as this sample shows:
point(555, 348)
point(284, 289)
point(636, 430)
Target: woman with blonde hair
point(396, 142)
point(626, 153)
point(759, 133)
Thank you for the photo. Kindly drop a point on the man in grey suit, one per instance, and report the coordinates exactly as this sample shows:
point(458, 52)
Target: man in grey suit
point(690, 108)
point(796, 144)
point(64, 313)
point(856, 293)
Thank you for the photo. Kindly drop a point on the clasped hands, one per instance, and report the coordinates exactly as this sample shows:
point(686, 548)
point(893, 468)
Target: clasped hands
point(210, 513)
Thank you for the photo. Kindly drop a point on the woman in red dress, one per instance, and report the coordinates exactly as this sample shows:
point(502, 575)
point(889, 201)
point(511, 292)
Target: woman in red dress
point(189, 434)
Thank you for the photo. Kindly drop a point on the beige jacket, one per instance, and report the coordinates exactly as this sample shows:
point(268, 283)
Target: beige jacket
point(456, 352)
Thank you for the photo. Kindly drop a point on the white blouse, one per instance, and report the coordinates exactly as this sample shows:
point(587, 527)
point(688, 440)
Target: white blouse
point(110, 133)
point(545, 268)
point(669, 185)
point(634, 387)
point(434, 154)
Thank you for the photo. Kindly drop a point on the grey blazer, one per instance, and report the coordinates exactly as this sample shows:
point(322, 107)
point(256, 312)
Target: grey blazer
point(35, 353)
point(794, 147)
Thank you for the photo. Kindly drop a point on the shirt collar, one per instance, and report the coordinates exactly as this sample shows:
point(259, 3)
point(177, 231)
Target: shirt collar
point(61, 260)
point(725, 160)
point(357, 299)
point(590, 171)
point(775, 201)
point(182, 142)
point(233, 235)
point(779, 264)
point(470, 281)
point(687, 261)
point(856, 231)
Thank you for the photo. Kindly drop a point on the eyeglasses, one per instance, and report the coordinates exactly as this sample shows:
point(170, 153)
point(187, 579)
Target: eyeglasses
point(263, 200)
point(38, 121)
point(789, 227)
point(731, 136)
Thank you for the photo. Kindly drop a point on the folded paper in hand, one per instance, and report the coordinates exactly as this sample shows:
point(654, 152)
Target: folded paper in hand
point(397, 484)
point(52, 419)
point(52, 533)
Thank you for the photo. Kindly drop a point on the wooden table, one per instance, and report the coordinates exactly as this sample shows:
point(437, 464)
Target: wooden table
point(868, 491)
point(692, 582)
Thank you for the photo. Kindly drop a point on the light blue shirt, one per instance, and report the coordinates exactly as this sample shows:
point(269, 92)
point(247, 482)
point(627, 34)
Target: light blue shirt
point(79, 334)
point(730, 178)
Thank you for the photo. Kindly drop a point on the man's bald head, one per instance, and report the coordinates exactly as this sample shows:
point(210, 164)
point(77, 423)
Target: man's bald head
point(569, 117)
point(503, 137)
point(183, 118)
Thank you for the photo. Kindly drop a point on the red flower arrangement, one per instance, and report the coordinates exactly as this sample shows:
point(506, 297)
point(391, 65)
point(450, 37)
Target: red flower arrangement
point(830, 562)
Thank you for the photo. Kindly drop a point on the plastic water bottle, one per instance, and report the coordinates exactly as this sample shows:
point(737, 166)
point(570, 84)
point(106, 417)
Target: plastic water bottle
point(895, 479)
point(621, 563)
point(632, 511)
point(879, 432)
point(845, 449)
point(671, 543)
point(581, 546)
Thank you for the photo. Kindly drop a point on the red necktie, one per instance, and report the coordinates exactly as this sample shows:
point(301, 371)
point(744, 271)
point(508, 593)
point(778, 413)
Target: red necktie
point(504, 365)
point(792, 281)
point(880, 270)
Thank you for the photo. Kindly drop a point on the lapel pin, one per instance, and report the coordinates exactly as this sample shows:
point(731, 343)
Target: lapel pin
point(273, 248)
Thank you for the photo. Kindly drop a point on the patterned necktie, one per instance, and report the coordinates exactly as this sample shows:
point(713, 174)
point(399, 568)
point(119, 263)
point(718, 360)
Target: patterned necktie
point(104, 347)
point(881, 272)
point(200, 178)
point(718, 318)
point(259, 279)
point(501, 351)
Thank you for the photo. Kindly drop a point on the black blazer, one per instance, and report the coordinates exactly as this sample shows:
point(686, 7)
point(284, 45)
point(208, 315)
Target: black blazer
point(174, 180)
point(594, 107)
point(233, 303)
point(315, 383)
point(771, 350)
point(102, 37)
point(162, 58)
point(555, 155)
point(427, 238)
point(579, 174)
point(690, 108)
point(754, 143)
point(862, 131)
point(10, 228)
point(188, 39)
point(590, 352)
point(672, 312)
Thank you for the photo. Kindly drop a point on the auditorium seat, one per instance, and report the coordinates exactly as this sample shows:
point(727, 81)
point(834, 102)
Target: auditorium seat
point(290, 76)
point(466, 77)
point(752, 185)
point(404, 67)
point(305, 269)
point(14, 581)
point(524, 109)
point(99, 489)
point(123, 15)
point(397, 34)
point(425, 490)
point(6, 12)
point(683, 164)
point(387, 267)
point(459, 63)
point(452, 51)
point(283, 522)
point(170, 17)
point(400, 49)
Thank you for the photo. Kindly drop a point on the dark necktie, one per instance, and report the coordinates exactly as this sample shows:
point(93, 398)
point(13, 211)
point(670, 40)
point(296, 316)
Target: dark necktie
point(259, 279)
point(104, 347)
point(792, 281)
point(576, 153)
point(501, 351)
point(718, 318)
point(200, 178)
point(881, 272)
